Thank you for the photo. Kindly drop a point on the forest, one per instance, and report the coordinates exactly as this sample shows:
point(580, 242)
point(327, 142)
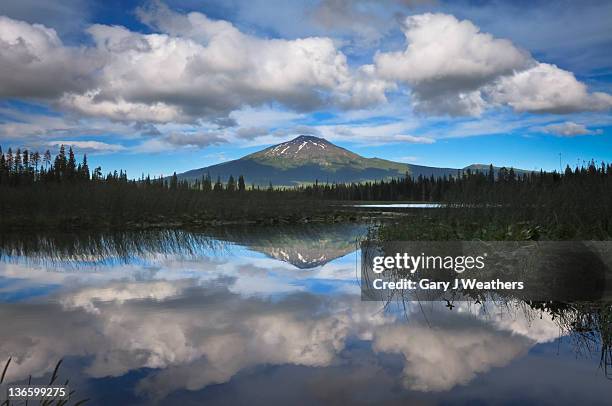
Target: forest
point(61, 191)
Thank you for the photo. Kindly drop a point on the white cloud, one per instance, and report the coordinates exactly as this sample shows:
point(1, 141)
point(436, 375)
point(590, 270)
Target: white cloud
point(447, 60)
point(193, 68)
point(121, 321)
point(92, 104)
point(198, 67)
point(35, 62)
point(437, 359)
point(89, 146)
point(121, 326)
point(545, 88)
point(454, 68)
point(567, 129)
point(411, 139)
point(443, 51)
point(216, 83)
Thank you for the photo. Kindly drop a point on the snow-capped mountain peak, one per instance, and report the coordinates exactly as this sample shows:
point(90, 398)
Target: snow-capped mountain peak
point(301, 144)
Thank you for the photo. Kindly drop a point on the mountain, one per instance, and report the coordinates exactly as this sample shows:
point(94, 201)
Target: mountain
point(307, 159)
point(304, 246)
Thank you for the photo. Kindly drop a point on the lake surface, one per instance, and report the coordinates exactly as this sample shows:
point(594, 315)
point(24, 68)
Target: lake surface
point(401, 206)
point(273, 315)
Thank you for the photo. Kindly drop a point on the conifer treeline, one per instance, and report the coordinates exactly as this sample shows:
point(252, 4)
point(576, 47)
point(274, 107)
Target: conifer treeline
point(42, 191)
point(22, 167)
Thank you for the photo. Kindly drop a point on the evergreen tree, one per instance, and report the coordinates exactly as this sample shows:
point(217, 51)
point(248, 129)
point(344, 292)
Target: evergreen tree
point(26, 160)
point(231, 184)
point(47, 159)
point(491, 174)
point(218, 185)
point(36, 161)
point(84, 171)
point(17, 162)
point(241, 185)
point(9, 161)
point(97, 174)
point(174, 182)
point(3, 169)
point(71, 165)
point(60, 164)
point(207, 183)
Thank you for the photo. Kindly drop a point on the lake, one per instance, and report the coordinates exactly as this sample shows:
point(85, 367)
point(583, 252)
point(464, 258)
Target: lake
point(401, 206)
point(245, 315)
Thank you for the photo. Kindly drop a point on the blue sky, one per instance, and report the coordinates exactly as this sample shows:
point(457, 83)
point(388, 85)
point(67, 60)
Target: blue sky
point(156, 87)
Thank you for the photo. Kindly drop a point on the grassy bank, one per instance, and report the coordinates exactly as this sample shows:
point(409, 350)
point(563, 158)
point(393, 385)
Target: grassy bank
point(129, 205)
point(563, 220)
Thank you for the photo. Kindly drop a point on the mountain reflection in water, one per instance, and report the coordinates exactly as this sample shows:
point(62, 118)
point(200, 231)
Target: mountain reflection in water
point(273, 314)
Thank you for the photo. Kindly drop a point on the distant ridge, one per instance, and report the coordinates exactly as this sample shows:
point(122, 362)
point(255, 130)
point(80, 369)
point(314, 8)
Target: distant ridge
point(306, 159)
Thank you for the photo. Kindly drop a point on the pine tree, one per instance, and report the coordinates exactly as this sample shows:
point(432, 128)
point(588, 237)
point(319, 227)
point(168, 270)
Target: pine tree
point(71, 165)
point(17, 163)
point(174, 182)
point(36, 161)
point(218, 185)
point(60, 163)
point(84, 172)
point(97, 174)
point(207, 183)
point(3, 170)
point(26, 160)
point(231, 184)
point(47, 159)
point(511, 175)
point(241, 185)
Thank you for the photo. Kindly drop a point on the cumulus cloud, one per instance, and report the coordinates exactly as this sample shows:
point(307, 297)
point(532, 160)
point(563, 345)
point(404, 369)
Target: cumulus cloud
point(448, 57)
point(439, 359)
point(124, 326)
point(133, 325)
point(35, 62)
point(445, 52)
point(209, 76)
point(122, 320)
point(545, 88)
point(198, 67)
point(567, 129)
point(192, 68)
point(453, 68)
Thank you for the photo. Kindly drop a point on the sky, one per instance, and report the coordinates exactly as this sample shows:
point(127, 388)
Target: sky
point(155, 87)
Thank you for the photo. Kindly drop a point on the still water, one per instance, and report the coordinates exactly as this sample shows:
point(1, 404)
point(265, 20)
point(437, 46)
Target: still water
point(401, 206)
point(273, 315)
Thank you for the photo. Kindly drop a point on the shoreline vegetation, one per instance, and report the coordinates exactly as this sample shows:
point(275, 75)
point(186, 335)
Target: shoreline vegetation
point(38, 192)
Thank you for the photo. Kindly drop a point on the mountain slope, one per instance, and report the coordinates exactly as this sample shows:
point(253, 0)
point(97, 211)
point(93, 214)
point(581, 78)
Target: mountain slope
point(307, 159)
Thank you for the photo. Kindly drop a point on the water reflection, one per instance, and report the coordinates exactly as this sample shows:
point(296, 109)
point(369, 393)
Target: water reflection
point(217, 318)
point(304, 246)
